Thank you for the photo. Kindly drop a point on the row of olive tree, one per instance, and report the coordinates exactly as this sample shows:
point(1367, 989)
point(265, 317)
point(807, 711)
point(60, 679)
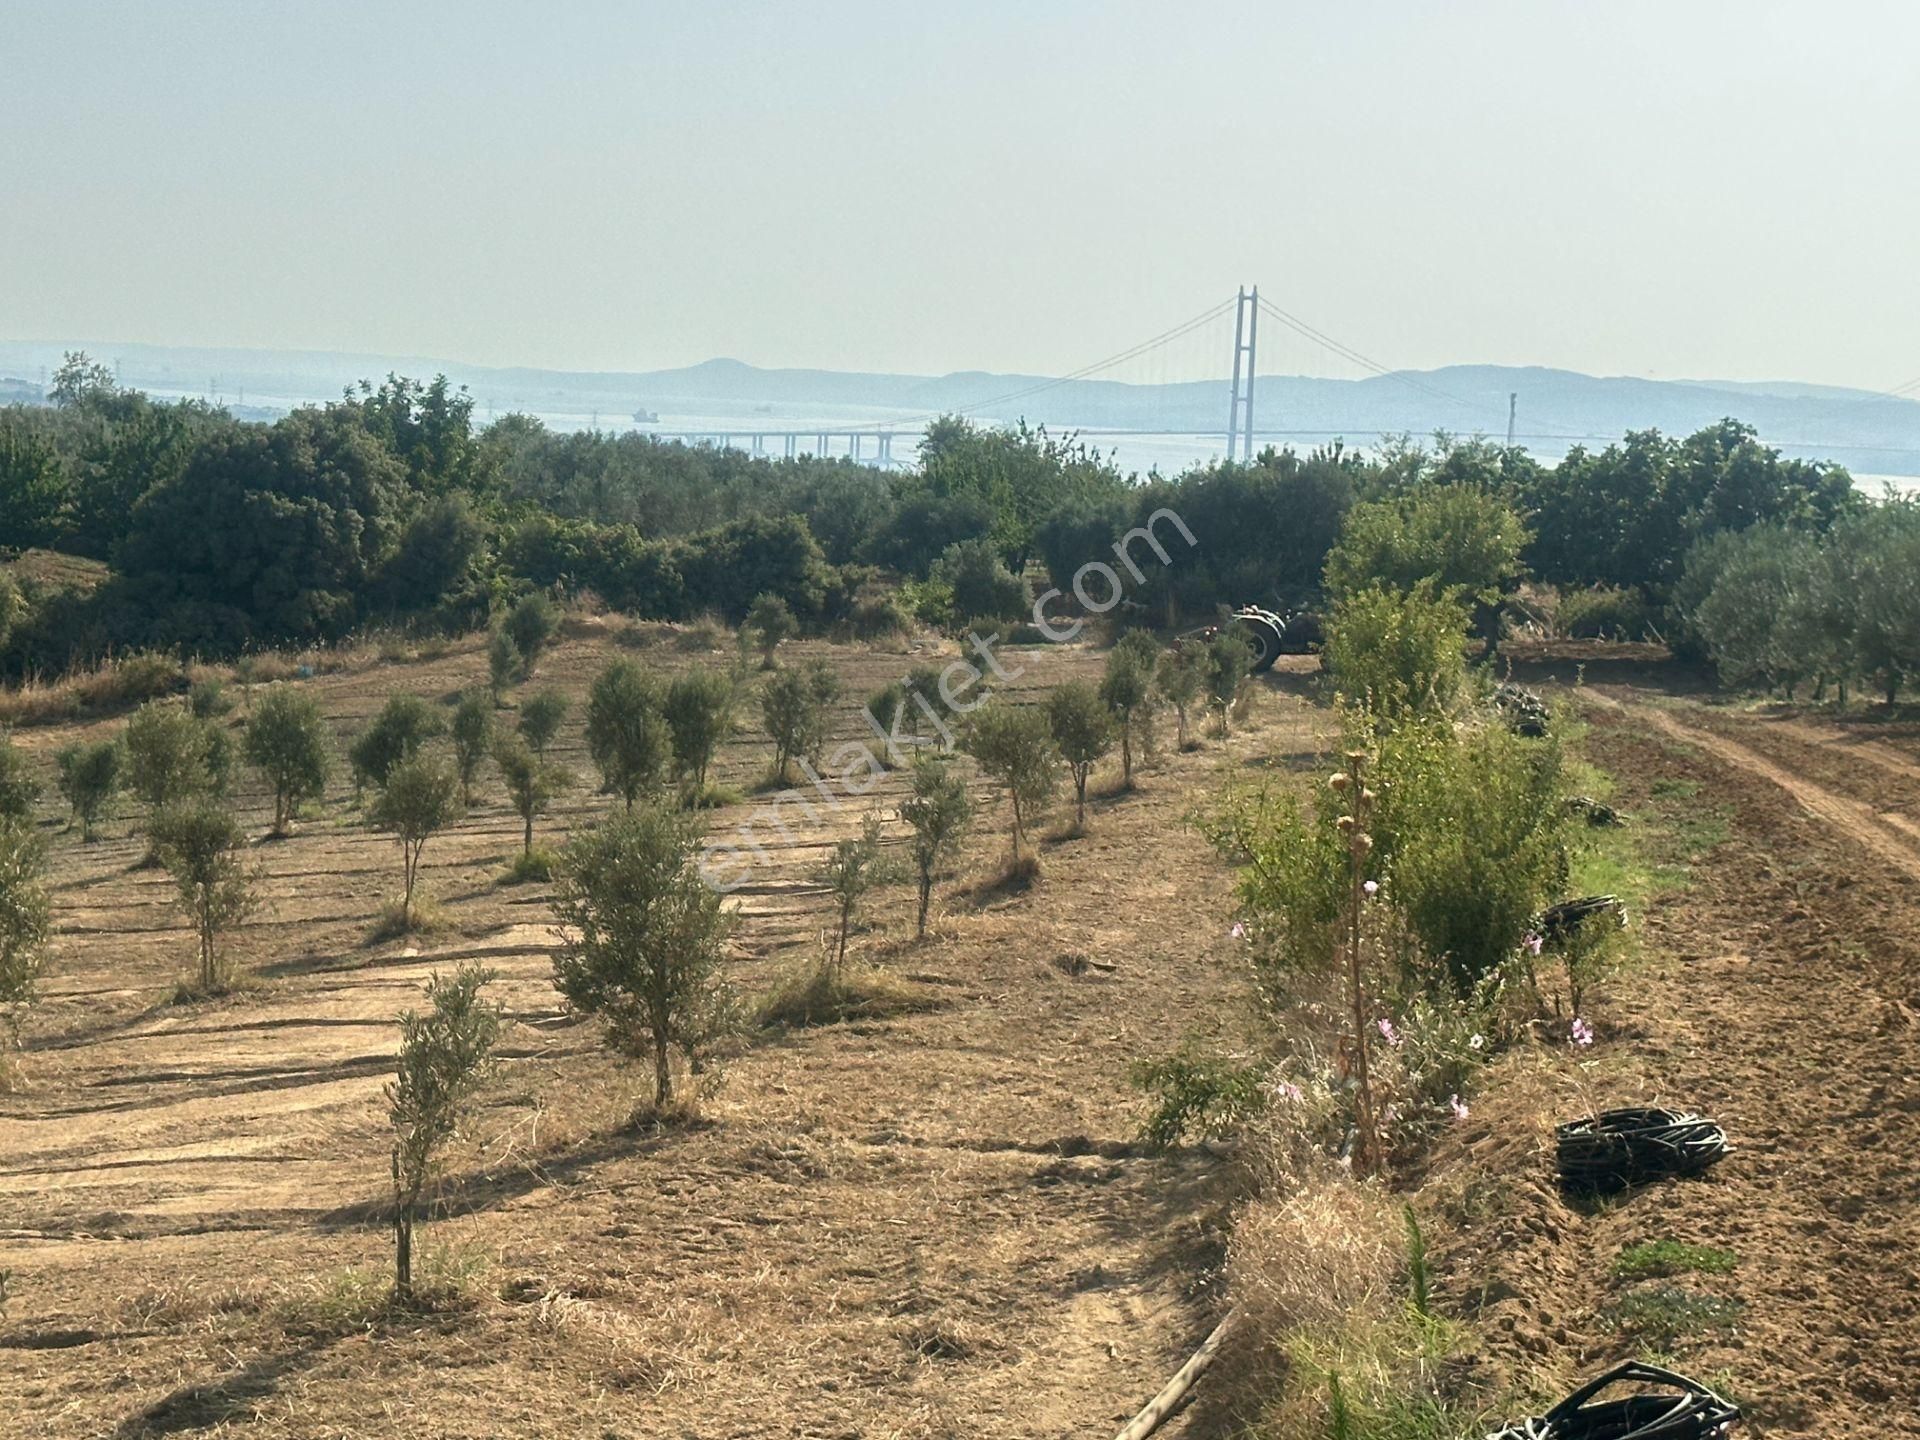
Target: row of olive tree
point(1783, 608)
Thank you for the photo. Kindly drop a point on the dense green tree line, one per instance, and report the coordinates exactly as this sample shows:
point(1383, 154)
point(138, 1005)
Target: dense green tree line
point(391, 506)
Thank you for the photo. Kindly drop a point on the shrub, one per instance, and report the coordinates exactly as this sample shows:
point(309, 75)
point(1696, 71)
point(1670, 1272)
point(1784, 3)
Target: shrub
point(208, 699)
point(89, 780)
point(1196, 1094)
point(770, 621)
point(416, 803)
point(793, 709)
point(1604, 612)
point(1394, 652)
point(938, 811)
point(444, 1058)
point(1473, 828)
point(541, 715)
point(699, 714)
point(503, 662)
point(202, 846)
point(877, 617)
point(404, 724)
point(24, 929)
point(1083, 729)
point(644, 934)
point(980, 582)
point(1461, 541)
point(286, 741)
point(472, 731)
point(19, 787)
point(626, 731)
point(1014, 746)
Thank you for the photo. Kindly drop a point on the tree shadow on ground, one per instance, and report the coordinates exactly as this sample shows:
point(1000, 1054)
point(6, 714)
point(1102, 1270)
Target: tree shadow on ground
point(235, 1397)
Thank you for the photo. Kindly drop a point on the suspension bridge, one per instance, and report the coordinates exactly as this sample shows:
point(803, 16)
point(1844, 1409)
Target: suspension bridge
point(1245, 373)
point(1176, 372)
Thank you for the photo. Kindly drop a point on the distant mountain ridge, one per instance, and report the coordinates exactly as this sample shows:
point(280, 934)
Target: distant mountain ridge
point(1557, 408)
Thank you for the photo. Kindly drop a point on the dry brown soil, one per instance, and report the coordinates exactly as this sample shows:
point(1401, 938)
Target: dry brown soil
point(927, 1225)
point(1779, 993)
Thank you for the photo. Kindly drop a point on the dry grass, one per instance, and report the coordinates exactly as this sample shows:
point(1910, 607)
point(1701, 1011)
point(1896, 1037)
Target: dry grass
point(824, 994)
point(1328, 1341)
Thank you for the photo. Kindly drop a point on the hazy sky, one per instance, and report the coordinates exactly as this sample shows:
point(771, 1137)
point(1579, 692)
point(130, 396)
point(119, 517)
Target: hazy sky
point(1670, 188)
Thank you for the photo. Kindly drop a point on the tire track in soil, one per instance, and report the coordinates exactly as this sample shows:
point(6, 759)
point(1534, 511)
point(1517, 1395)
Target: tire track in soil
point(1885, 835)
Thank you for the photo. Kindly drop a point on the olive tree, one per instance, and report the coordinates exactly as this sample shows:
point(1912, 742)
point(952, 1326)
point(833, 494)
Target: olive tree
point(416, 803)
point(396, 733)
point(643, 937)
point(699, 711)
point(1083, 729)
point(445, 1055)
point(1180, 681)
point(541, 714)
point(531, 626)
point(1014, 746)
point(89, 779)
point(626, 731)
point(1127, 690)
point(202, 846)
point(173, 756)
point(24, 928)
point(532, 783)
point(793, 709)
point(1228, 659)
point(938, 811)
point(770, 621)
point(472, 732)
point(286, 741)
point(855, 866)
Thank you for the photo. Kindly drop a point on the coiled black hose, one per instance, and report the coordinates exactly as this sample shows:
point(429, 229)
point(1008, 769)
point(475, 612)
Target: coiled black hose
point(1683, 1410)
point(1619, 1148)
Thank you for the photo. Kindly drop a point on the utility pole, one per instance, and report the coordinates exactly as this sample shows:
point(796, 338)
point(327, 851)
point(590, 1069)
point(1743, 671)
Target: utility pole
point(1513, 404)
point(1239, 338)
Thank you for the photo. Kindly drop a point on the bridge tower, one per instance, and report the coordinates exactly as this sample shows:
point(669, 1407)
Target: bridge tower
point(1246, 339)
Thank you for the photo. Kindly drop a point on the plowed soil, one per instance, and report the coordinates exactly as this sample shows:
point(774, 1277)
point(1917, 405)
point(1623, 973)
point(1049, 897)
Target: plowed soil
point(1780, 994)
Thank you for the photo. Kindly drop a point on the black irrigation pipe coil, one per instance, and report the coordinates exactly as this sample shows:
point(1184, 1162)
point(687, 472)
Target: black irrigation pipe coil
point(1681, 1409)
point(1619, 1148)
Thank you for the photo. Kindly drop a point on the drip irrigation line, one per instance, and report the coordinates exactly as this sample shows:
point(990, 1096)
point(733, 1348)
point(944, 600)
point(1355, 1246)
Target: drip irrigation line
point(1681, 1409)
point(1617, 1149)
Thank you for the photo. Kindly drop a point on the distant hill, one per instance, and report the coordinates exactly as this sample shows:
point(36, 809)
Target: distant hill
point(1869, 433)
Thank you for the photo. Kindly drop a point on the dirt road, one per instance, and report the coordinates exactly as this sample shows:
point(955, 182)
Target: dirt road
point(1781, 994)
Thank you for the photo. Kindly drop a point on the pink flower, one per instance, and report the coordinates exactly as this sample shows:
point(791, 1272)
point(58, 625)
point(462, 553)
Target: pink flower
point(1582, 1032)
point(1372, 887)
point(1388, 1033)
point(1287, 1090)
point(1239, 931)
point(1458, 1106)
point(1532, 944)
